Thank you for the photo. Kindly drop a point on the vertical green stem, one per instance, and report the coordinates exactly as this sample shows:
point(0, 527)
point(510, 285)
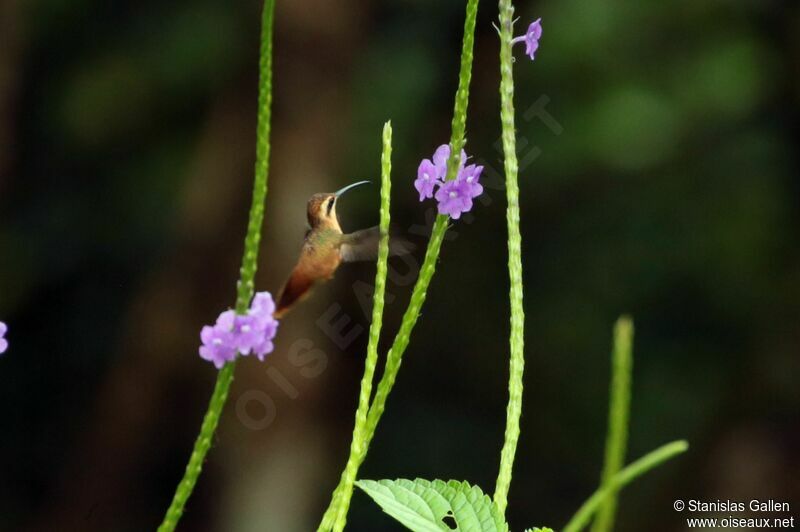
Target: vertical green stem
point(618, 414)
point(394, 358)
point(201, 447)
point(418, 294)
point(359, 446)
point(245, 286)
point(621, 479)
point(516, 339)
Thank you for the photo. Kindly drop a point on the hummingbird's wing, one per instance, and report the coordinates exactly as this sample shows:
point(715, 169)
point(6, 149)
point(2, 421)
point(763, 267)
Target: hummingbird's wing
point(363, 245)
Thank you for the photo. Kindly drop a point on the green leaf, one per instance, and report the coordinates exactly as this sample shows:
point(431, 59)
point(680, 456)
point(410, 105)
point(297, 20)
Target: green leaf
point(436, 506)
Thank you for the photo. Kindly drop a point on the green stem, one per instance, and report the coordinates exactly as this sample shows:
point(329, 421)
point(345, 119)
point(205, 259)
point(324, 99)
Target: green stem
point(621, 479)
point(618, 414)
point(517, 336)
point(418, 294)
point(359, 446)
point(246, 284)
point(395, 356)
point(201, 447)
point(391, 368)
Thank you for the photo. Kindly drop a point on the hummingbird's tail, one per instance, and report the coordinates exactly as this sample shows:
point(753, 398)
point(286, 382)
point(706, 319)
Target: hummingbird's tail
point(297, 288)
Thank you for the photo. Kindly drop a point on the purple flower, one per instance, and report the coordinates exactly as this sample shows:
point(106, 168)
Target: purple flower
point(264, 323)
point(454, 197)
point(246, 333)
point(262, 305)
point(470, 177)
point(531, 38)
point(427, 179)
point(219, 342)
point(431, 174)
point(440, 158)
point(249, 333)
point(267, 334)
point(3, 341)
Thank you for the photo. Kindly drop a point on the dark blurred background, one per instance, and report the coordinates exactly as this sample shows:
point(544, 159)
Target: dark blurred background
point(659, 159)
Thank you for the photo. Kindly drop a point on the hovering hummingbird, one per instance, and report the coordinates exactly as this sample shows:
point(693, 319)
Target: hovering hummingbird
point(325, 247)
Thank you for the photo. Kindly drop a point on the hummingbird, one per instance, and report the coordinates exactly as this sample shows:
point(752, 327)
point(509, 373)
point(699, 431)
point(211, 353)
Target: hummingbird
point(326, 246)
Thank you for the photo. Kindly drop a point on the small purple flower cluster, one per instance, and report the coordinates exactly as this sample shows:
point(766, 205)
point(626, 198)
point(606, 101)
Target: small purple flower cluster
point(531, 38)
point(454, 196)
point(3, 341)
point(249, 333)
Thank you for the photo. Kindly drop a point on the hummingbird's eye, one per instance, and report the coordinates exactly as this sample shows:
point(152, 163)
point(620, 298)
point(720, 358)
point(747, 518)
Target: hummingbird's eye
point(329, 207)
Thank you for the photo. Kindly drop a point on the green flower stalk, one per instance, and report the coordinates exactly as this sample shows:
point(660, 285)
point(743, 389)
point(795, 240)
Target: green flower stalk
point(337, 510)
point(457, 141)
point(358, 446)
point(245, 287)
point(603, 502)
point(517, 339)
point(641, 466)
point(618, 414)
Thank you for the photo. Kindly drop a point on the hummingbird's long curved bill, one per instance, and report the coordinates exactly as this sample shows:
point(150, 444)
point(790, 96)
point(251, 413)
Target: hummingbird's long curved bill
point(348, 187)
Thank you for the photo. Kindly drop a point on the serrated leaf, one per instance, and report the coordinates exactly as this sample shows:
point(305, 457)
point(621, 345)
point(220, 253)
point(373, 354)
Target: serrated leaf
point(436, 506)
